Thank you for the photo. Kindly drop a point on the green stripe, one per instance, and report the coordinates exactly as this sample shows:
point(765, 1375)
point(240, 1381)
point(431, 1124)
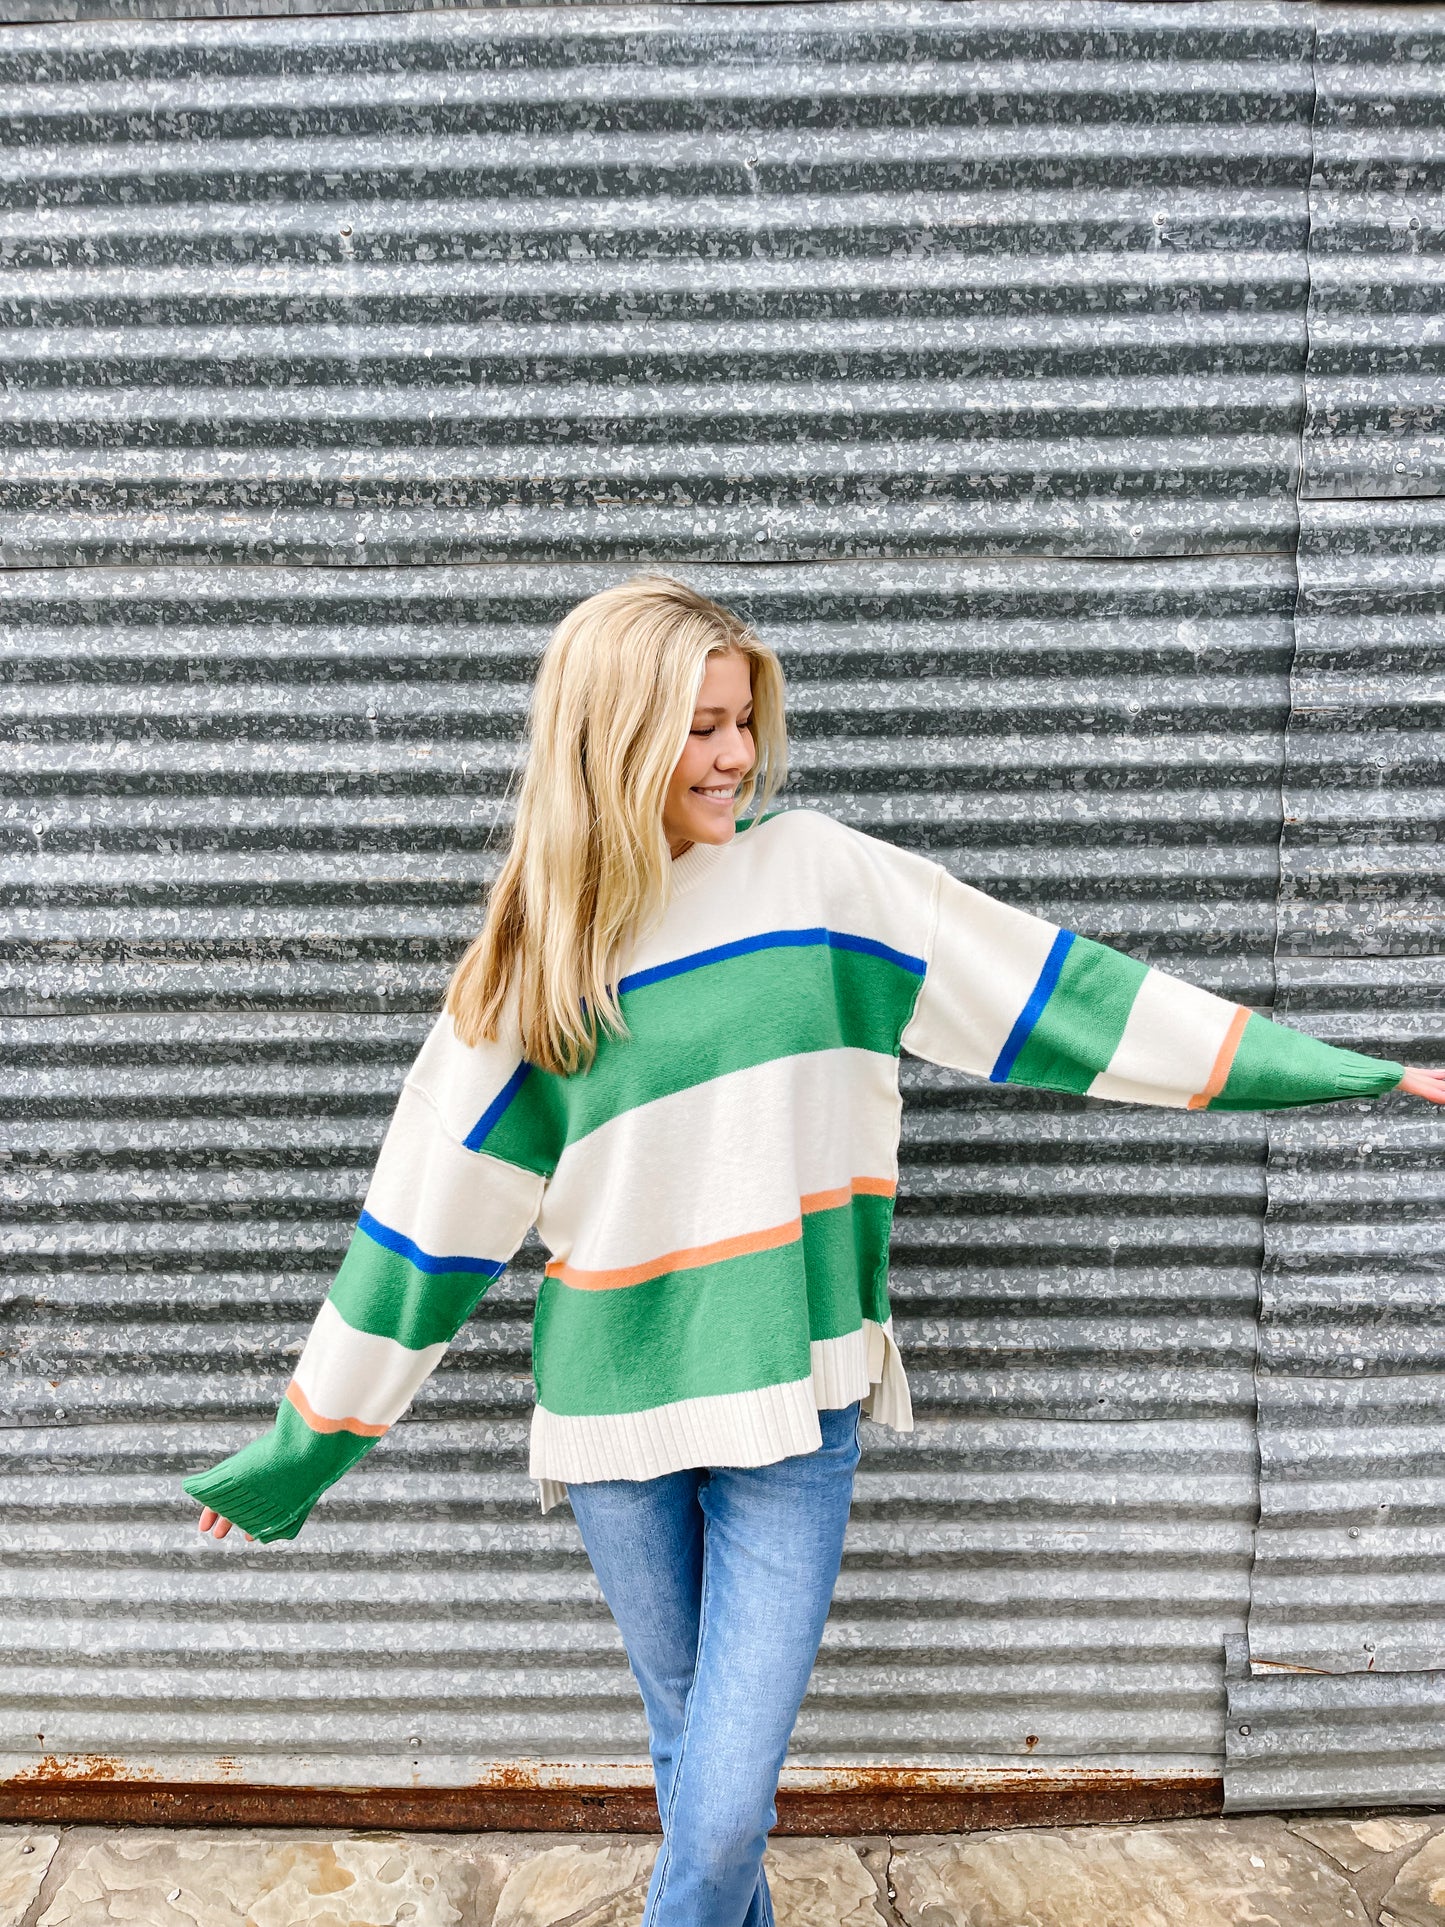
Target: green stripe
point(846, 1254)
point(736, 1326)
point(380, 1291)
point(728, 1327)
point(725, 1016)
point(533, 1128)
point(1080, 1026)
point(270, 1485)
point(1276, 1065)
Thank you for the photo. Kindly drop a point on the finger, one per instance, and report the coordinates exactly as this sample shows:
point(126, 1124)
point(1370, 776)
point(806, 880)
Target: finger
point(223, 1526)
point(206, 1517)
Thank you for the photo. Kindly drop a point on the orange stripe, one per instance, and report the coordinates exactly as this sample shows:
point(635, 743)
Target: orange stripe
point(319, 1424)
point(875, 1187)
point(1223, 1060)
point(687, 1260)
point(740, 1247)
point(845, 1193)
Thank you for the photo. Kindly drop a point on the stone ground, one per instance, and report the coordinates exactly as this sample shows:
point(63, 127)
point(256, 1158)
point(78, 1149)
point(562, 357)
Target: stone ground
point(1254, 1872)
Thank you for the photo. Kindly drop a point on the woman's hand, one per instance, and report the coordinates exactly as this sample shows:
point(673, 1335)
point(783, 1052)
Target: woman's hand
point(1427, 1084)
point(222, 1526)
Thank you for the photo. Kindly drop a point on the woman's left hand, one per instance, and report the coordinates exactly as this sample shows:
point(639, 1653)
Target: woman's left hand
point(1427, 1084)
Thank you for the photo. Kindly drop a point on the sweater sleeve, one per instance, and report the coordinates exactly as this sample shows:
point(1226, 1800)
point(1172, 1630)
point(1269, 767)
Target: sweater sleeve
point(1014, 998)
point(439, 1222)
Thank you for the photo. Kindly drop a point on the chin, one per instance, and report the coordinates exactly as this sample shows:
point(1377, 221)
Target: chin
point(715, 832)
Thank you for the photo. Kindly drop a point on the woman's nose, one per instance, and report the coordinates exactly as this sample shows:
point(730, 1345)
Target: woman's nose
point(737, 752)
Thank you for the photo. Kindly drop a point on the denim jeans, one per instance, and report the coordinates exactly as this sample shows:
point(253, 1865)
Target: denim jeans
point(720, 1582)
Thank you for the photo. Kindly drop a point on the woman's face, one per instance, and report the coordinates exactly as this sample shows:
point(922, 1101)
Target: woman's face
point(718, 754)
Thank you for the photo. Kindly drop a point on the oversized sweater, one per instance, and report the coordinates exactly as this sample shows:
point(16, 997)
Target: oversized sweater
point(715, 1191)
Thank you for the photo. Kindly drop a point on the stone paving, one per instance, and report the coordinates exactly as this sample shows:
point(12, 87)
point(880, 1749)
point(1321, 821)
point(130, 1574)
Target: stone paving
point(1377, 1871)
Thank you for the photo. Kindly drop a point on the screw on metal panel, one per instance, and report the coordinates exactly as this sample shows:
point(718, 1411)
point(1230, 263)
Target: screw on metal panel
point(29, 1847)
point(1244, 1731)
point(1354, 1532)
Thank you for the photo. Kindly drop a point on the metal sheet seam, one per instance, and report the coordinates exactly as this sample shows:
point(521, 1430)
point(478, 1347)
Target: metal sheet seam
point(1283, 805)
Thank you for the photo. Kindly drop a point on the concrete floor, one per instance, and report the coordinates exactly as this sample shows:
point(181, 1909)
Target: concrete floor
point(1255, 1872)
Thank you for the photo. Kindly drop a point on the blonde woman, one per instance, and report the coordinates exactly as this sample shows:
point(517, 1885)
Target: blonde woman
point(673, 1048)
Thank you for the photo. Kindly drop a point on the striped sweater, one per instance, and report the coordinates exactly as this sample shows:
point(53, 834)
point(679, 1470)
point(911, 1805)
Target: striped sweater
point(715, 1192)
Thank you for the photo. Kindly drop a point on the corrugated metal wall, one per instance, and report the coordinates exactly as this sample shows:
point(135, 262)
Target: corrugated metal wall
point(963, 348)
point(212, 1010)
point(1348, 1575)
point(696, 283)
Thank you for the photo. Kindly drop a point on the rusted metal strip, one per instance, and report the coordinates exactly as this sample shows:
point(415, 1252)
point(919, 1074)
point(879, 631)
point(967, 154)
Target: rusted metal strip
point(881, 1801)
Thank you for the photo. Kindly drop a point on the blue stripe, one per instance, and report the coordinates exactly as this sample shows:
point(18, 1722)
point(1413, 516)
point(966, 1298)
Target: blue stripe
point(477, 1135)
point(383, 1234)
point(1034, 1008)
point(816, 936)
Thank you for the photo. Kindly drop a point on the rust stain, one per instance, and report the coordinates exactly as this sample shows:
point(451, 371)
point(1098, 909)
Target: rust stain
point(1288, 1666)
point(520, 1799)
point(70, 1769)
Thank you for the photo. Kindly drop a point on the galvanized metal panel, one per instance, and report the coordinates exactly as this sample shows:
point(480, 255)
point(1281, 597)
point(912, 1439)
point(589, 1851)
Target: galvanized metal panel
point(1351, 1295)
point(1080, 735)
point(756, 283)
point(1360, 859)
point(1352, 1367)
point(1376, 307)
point(236, 895)
point(1358, 1741)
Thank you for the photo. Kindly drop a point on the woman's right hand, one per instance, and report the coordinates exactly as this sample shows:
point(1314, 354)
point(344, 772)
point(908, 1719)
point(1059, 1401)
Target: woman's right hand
point(221, 1526)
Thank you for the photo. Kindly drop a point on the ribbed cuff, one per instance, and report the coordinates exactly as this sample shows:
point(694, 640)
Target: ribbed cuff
point(270, 1485)
point(1362, 1076)
point(233, 1489)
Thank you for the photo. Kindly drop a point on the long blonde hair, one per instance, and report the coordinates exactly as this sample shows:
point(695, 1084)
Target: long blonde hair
point(589, 865)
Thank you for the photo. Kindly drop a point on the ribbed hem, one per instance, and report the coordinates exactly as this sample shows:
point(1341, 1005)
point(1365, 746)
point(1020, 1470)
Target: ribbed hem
point(733, 1428)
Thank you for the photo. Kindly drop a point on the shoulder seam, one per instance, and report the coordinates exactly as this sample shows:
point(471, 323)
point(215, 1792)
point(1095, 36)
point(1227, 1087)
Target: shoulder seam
point(934, 895)
point(425, 1095)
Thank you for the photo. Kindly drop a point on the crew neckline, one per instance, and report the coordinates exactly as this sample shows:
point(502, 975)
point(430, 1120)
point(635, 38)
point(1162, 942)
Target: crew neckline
point(689, 869)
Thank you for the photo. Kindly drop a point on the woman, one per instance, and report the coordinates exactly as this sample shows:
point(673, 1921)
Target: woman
point(674, 1049)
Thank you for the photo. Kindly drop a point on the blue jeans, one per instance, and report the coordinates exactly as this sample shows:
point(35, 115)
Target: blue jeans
point(720, 1582)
